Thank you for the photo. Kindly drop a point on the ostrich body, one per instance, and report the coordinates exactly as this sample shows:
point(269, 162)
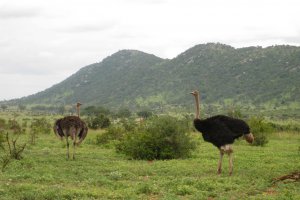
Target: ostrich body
point(71, 126)
point(221, 131)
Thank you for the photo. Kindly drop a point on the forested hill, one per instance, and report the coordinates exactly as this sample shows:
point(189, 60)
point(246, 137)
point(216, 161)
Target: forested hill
point(130, 78)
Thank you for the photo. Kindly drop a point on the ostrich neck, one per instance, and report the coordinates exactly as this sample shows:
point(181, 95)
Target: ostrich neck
point(197, 101)
point(78, 111)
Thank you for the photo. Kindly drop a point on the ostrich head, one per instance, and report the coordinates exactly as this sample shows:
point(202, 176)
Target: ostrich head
point(195, 93)
point(78, 104)
point(249, 138)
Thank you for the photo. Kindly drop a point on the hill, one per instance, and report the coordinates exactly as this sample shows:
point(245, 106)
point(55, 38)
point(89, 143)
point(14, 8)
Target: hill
point(129, 78)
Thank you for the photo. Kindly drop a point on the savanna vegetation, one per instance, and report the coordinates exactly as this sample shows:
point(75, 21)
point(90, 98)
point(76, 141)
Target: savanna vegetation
point(144, 156)
point(146, 146)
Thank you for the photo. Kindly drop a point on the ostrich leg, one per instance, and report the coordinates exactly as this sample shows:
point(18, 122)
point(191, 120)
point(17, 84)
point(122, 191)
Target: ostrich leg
point(230, 163)
point(220, 162)
point(68, 155)
point(74, 145)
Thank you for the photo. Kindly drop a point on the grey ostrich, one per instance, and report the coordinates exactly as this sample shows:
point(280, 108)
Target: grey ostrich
point(71, 126)
point(221, 131)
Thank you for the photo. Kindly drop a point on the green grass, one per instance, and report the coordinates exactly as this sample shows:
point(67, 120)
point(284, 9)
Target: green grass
point(101, 173)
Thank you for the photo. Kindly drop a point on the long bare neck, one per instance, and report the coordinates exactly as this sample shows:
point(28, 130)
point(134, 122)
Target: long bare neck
point(197, 101)
point(78, 111)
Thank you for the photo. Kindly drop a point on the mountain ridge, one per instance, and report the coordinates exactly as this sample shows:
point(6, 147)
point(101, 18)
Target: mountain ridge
point(132, 78)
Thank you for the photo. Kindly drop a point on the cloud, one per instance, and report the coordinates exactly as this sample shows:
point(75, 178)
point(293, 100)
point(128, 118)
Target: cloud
point(25, 84)
point(84, 28)
point(53, 38)
point(18, 12)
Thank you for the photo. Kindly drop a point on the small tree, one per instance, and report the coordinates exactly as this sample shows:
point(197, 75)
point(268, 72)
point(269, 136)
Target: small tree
point(161, 138)
point(15, 149)
point(15, 127)
point(260, 129)
point(39, 126)
point(99, 121)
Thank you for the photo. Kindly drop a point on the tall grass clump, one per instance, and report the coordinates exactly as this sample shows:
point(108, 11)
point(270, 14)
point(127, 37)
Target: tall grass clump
point(162, 137)
point(260, 129)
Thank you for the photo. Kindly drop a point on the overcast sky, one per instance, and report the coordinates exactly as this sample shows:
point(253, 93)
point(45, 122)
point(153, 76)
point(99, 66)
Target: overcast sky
point(44, 42)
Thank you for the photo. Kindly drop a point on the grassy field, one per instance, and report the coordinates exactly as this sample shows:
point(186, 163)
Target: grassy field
point(101, 173)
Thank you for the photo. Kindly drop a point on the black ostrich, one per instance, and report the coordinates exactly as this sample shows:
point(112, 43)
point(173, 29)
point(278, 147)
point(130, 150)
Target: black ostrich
point(221, 131)
point(71, 126)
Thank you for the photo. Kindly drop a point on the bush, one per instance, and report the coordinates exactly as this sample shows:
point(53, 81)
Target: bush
point(129, 125)
point(160, 138)
point(112, 133)
point(260, 129)
point(15, 127)
point(100, 121)
point(39, 126)
point(144, 114)
point(13, 132)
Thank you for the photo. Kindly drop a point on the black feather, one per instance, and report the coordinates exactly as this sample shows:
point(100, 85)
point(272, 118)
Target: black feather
point(221, 130)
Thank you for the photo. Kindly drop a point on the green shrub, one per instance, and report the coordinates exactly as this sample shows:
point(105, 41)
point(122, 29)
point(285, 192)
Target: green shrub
point(100, 121)
point(15, 127)
point(260, 130)
point(112, 133)
point(160, 138)
point(13, 132)
point(39, 126)
point(129, 125)
point(260, 139)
